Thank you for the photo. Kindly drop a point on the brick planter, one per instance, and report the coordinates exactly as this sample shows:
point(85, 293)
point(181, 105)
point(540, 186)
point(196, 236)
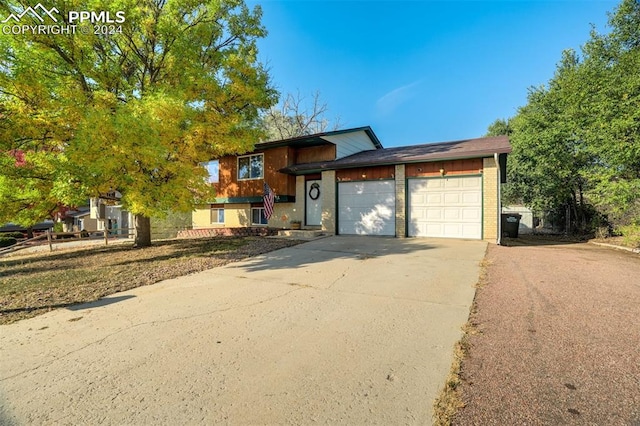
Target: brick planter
point(227, 232)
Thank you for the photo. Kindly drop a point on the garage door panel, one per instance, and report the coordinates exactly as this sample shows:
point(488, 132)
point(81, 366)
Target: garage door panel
point(452, 198)
point(433, 214)
point(473, 198)
point(431, 199)
point(445, 207)
point(472, 182)
point(366, 208)
point(473, 215)
point(451, 214)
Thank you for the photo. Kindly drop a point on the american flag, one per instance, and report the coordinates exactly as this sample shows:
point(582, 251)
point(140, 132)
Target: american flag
point(268, 198)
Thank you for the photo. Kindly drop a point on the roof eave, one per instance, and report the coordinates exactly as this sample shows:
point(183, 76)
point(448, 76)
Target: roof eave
point(329, 166)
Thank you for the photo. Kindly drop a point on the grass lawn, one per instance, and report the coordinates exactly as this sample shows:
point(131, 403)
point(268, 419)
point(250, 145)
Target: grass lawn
point(31, 284)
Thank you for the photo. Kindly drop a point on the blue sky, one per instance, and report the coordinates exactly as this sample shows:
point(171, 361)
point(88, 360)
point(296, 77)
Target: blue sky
point(421, 71)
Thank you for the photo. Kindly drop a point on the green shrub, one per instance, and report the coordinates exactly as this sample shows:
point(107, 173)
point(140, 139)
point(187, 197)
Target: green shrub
point(630, 235)
point(14, 234)
point(7, 241)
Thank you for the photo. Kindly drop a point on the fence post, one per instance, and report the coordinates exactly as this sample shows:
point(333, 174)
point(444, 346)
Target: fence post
point(49, 239)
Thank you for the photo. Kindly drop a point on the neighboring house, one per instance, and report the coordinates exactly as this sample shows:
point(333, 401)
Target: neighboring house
point(344, 182)
point(96, 217)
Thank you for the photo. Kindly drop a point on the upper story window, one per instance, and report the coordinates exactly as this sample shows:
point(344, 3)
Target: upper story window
point(251, 167)
point(213, 168)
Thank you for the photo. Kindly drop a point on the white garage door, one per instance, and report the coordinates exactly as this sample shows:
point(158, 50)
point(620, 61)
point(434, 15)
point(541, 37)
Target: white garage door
point(367, 208)
point(445, 207)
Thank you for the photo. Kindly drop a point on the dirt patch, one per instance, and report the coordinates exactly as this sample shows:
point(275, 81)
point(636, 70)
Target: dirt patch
point(558, 338)
point(36, 283)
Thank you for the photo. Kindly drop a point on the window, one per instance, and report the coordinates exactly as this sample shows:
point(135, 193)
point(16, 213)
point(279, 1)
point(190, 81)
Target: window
point(257, 216)
point(251, 167)
point(217, 215)
point(213, 168)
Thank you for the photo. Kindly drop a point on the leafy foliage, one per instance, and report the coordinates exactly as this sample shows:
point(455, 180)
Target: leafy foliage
point(136, 112)
point(577, 141)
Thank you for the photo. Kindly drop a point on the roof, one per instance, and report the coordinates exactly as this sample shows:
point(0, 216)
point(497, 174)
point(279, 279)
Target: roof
point(318, 139)
point(468, 148)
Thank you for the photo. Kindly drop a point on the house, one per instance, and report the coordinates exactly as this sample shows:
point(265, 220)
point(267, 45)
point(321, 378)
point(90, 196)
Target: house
point(345, 182)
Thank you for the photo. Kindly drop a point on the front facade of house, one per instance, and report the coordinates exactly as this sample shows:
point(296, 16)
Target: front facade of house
point(345, 183)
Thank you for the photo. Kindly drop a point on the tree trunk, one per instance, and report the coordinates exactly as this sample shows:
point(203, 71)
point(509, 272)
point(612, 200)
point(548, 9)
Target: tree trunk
point(142, 234)
point(29, 232)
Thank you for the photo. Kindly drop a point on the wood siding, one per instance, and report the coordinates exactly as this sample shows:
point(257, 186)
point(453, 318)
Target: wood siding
point(274, 160)
point(315, 154)
point(366, 173)
point(455, 167)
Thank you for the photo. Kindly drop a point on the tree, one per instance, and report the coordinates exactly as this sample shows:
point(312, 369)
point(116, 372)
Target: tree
point(577, 141)
point(292, 118)
point(500, 127)
point(136, 111)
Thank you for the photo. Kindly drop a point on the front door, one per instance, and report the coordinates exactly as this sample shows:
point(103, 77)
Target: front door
point(313, 204)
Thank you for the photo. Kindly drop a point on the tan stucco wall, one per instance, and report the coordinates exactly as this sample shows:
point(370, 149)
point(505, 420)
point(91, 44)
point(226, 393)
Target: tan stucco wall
point(201, 217)
point(237, 215)
point(328, 190)
point(401, 223)
point(283, 214)
point(298, 214)
point(490, 200)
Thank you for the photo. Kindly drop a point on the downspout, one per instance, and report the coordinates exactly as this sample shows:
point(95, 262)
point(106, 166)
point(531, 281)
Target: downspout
point(499, 239)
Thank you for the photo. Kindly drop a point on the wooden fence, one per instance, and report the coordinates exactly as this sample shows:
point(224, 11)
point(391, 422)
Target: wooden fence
point(53, 238)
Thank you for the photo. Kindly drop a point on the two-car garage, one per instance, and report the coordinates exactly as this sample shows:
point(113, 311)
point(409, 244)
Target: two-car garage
point(441, 190)
point(443, 207)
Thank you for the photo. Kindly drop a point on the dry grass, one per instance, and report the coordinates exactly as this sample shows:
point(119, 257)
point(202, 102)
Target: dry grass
point(36, 283)
point(449, 401)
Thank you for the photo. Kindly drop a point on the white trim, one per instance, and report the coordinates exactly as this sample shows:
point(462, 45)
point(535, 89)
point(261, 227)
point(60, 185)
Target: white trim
point(249, 157)
point(217, 215)
point(261, 216)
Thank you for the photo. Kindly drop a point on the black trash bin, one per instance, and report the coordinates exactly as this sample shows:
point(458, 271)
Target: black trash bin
point(510, 224)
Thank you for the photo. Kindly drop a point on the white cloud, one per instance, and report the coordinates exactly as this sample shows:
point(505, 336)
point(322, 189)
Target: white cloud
point(391, 100)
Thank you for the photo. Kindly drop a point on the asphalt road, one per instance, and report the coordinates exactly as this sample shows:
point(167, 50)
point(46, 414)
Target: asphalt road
point(559, 338)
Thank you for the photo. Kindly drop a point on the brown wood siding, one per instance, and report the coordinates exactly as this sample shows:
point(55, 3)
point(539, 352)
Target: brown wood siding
point(455, 167)
point(315, 154)
point(366, 173)
point(274, 160)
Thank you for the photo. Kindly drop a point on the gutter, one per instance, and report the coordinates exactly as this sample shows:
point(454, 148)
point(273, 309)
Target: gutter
point(499, 239)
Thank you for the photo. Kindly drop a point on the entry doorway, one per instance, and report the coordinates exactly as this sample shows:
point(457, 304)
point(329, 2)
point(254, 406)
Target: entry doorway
point(313, 203)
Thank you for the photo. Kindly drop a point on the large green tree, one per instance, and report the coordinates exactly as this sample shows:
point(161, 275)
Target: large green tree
point(576, 142)
point(136, 111)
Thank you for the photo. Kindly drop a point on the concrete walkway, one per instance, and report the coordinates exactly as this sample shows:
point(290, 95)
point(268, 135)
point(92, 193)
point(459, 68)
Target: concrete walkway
point(347, 330)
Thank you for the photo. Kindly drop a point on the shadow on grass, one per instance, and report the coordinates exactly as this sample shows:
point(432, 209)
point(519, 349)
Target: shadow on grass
point(72, 306)
point(533, 240)
point(34, 263)
point(105, 301)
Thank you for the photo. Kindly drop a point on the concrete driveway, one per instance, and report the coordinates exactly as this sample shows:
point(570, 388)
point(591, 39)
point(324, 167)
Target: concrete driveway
point(345, 330)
